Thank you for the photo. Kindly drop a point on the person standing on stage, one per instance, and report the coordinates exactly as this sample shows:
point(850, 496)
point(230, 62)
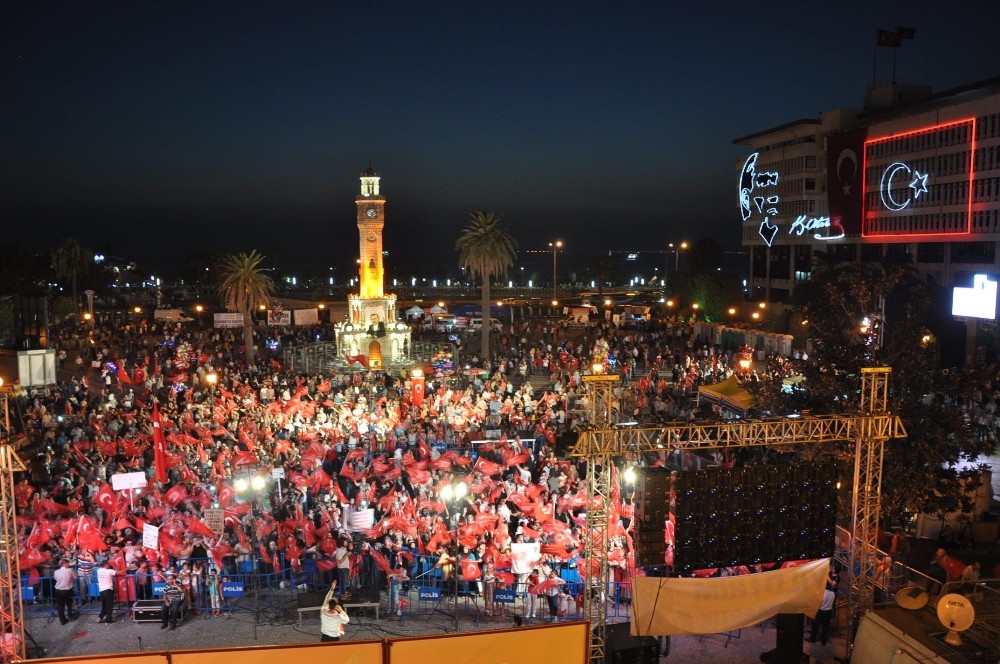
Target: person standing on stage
point(333, 617)
point(106, 586)
point(65, 578)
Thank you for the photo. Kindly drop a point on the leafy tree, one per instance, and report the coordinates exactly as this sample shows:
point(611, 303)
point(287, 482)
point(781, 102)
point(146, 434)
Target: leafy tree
point(69, 261)
point(487, 250)
point(243, 286)
point(705, 256)
point(602, 270)
point(919, 473)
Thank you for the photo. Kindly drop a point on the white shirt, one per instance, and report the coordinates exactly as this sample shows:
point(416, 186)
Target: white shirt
point(65, 577)
point(332, 623)
point(105, 578)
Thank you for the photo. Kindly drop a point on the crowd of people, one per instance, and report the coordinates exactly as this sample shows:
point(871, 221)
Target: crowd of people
point(359, 470)
point(362, 466)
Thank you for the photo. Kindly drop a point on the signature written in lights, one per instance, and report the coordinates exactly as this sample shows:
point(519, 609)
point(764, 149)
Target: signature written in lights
point(805, 224)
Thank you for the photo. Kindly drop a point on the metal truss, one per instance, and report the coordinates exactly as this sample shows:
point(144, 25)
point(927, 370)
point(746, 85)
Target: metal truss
point(866, 504)
point(11, 610)
point(600, 413)
point(601, 440)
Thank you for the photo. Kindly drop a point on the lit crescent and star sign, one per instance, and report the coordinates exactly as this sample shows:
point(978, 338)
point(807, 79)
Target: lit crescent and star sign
point(900, 186)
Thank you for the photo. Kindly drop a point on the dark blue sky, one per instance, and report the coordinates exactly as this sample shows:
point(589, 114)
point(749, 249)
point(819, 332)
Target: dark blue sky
point(157, 128)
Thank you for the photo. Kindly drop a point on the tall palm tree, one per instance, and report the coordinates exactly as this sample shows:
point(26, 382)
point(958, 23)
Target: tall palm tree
point(69, 260)
point(243, 286)
point(487, 250)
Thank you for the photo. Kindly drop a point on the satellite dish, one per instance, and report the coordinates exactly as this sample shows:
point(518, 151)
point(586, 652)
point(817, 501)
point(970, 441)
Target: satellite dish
point(912, 598)
point(956, 613)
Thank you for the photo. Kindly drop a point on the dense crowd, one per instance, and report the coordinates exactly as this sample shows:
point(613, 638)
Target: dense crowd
point(359, 469)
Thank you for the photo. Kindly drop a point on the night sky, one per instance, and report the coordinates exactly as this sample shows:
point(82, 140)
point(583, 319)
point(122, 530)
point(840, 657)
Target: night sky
point(154, 129)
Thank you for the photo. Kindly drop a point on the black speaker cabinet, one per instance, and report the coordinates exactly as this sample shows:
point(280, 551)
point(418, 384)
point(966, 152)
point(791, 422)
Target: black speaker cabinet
point(623, 648)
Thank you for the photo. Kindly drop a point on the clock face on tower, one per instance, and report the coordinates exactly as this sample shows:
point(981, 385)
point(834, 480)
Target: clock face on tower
point(371, 213)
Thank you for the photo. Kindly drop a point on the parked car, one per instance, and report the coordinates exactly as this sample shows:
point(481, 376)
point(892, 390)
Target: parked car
point(476, 323)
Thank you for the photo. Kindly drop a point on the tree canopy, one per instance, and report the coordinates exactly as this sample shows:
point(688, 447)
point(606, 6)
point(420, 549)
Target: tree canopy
point(243, 286)
point(874, 315)
point(486, 250)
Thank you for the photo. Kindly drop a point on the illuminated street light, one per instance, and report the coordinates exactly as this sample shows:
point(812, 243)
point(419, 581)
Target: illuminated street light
point(732, 311)
point(677, 253)
point(755, 315)
point(556, 246)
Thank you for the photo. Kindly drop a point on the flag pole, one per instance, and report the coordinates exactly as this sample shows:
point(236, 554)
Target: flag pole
point(894, 65)
point(874, 61)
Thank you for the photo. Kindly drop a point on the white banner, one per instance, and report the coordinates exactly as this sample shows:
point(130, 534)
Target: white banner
point(279, 317)
point(665, 606)
point(125, 481)
point(228, 320)
point(524, 556)
point(306, 316)
point(151, 536)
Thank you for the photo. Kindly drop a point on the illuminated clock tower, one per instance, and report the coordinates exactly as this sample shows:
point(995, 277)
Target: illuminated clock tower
point(371, 329)
point(371, 219)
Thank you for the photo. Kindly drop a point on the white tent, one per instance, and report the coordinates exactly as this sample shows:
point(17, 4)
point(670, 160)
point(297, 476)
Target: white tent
point(414, 311)
point(438, 310)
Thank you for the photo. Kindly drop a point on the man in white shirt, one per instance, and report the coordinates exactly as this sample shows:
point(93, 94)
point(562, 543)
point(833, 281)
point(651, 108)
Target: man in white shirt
point(333, 617)
point(821, 623)
point(106, 585)
point(65, 579)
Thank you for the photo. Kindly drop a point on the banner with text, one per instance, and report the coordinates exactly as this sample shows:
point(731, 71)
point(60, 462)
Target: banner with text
point(306, 316)
point(228, 320)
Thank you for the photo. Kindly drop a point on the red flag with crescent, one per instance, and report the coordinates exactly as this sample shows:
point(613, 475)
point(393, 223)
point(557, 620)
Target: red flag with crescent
point(107, 499)
point(175, 495)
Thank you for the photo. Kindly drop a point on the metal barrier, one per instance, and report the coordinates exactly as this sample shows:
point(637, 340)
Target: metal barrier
point(240, 592)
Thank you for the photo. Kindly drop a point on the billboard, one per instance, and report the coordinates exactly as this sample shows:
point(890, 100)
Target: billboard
point(980, 301)
point(919, 183)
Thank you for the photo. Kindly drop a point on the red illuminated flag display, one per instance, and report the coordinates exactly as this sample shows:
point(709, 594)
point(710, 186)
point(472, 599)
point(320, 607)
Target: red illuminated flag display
point(919, 183)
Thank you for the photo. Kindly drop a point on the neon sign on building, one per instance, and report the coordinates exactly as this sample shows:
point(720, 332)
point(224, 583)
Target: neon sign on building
point(908, 173)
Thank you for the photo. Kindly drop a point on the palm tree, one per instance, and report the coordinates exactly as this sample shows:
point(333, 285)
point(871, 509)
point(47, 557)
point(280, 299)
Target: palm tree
point(243, 286)
point(487, 250)
point(69, 260)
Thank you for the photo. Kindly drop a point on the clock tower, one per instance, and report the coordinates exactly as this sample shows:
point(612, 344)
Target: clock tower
point(371, 219)
point(371, 330)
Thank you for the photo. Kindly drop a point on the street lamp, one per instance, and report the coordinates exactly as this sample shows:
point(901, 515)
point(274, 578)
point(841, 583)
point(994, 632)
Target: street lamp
point(677, 253)
point(556, 246)
point(198, 308)
point(253, 485)
point(454, 493)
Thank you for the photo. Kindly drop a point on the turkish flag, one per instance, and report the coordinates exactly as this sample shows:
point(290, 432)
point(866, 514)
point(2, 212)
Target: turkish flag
point(470, 570)
point(198, 527)
point(486, 467)
point(89, 537)
point(417, 389)
point(175, 495)
point(159, 446)
point(107, 499)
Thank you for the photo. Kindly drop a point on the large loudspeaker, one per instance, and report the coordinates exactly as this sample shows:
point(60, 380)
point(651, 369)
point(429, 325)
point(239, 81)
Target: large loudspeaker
point(652, 498)
point(758, 514)
point(791, 629)
point(623, 648)
point(650, 547)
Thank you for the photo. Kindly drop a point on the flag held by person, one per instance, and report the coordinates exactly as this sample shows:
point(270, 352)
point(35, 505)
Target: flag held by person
point(159, 446)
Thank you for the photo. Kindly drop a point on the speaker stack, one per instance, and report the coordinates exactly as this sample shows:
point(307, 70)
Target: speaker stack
point(759, 514)
point(652, 508)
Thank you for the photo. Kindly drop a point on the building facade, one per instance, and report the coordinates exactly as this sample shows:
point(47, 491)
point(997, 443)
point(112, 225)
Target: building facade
point(911, 175)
